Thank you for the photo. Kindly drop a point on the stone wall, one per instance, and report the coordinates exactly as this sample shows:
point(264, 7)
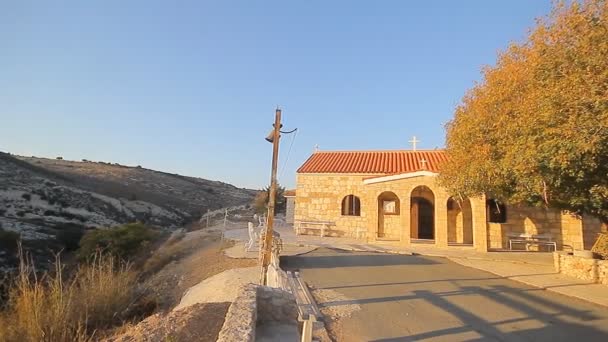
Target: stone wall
point(256, 305)
point(241, 318)
point(276, 305)
point(587, 269)
point(591, 228)
point(566, 229)
point(319, 198)
point(290, 209)
point(460, 229)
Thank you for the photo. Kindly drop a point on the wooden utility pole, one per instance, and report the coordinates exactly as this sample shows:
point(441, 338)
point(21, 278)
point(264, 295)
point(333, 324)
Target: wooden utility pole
point(267, 247)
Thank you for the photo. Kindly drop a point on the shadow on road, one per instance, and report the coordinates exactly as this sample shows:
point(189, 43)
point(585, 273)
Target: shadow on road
point(429, 298)
point(339, 258)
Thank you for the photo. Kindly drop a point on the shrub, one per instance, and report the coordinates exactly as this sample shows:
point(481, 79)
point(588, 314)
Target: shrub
point(50, 213)
point(21, 213)
point(49, 308)
point(69, 235)
point(26, 196)
point(122, 242)
point(8, 240)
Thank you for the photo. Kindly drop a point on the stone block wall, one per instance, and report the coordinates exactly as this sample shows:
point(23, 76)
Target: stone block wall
point(460, 223)
point(276, 305)
point(566, 229)
point(290, 209)
point(256, 305)
point(241, 319)
point(319, 198)
point(591, 228)
point(591, 270)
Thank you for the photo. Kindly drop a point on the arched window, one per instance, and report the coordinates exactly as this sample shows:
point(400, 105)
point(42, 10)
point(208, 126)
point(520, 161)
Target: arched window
point(351, 206)
point(497, 211)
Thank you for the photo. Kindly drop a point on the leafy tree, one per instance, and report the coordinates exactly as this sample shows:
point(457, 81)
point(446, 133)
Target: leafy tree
point(260, 202)
point(535, 129)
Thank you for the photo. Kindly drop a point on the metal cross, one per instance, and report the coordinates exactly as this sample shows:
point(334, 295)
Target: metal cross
point(414, 141)
point(423, 162)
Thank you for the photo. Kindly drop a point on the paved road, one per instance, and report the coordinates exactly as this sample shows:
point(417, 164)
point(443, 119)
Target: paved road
point(413, 298)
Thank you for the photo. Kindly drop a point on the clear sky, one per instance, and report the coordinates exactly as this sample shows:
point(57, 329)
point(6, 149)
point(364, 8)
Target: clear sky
point(191, 86)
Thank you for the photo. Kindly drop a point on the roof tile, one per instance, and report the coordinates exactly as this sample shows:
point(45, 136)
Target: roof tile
point(376, 162)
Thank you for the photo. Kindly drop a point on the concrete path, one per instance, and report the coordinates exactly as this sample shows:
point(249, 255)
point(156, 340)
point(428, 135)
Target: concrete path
point(412, 298)
point(543, 277)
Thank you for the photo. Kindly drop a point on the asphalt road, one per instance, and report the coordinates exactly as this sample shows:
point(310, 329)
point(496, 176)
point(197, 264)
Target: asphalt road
point(413, 298)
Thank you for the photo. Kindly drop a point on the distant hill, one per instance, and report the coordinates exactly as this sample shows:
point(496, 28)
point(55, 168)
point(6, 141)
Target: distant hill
point(42, 198)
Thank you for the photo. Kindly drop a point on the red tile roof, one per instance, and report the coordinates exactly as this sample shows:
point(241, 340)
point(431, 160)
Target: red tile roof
point(289, 193)
point(374, 162)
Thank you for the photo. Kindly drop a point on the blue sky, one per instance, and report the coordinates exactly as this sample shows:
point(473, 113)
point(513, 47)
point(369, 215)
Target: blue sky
point(191, 86)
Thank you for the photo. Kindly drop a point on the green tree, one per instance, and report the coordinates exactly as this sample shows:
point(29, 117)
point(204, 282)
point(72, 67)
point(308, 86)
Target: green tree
point(535, 129)
point(260, 201)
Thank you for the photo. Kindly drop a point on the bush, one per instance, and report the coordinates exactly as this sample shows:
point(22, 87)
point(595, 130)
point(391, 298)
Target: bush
point(50, 213)
point(49, 308)
point(26, 197)
point(122, 242)
point(69, 235)
point(8, 240)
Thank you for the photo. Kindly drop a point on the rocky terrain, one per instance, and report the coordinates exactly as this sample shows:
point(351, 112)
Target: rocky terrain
point(50, 202)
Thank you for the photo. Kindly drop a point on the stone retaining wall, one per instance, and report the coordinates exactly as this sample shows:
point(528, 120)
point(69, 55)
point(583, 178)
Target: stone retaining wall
point(257, 304)
point(587, 269)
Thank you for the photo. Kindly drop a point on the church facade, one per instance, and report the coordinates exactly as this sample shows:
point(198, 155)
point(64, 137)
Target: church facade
point(394, 196)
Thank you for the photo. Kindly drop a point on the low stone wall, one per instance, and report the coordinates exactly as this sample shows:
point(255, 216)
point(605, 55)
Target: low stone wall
point(587, 269)
point(257, 304)
point(241, 318)
point(276, 305)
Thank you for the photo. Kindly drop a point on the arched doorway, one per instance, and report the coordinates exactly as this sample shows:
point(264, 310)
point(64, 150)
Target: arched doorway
point(422, 213)
point(388, 216)
point(460, 222)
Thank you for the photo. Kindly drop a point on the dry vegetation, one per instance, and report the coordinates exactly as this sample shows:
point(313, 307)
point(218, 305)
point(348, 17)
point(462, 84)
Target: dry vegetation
point(104, 297)
point(53, 308)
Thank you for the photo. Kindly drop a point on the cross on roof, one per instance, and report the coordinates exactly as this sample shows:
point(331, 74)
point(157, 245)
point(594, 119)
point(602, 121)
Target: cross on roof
point(423, 162)
point(414, 141)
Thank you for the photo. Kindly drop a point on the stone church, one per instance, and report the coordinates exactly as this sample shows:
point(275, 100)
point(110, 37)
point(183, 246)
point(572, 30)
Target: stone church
point(394, 196)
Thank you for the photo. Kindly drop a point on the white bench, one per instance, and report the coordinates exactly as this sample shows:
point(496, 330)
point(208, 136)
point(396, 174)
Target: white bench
point(531, 239)
point(322, 226)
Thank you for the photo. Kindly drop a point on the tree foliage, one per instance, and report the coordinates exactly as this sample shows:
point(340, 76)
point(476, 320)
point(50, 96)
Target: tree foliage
point(122, 242)
point(260, 202)
point(535, 129)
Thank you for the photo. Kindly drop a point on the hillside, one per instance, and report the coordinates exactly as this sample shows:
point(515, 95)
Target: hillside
point(49, 202)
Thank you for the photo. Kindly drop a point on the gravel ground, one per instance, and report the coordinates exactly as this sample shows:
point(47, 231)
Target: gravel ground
point(200, 322)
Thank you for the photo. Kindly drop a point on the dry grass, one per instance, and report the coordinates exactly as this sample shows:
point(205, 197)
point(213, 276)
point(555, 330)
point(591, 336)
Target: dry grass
point(175, 248)
point(51, 308)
